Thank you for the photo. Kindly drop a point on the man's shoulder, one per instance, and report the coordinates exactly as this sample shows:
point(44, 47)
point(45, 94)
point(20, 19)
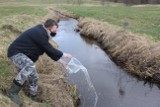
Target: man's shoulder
point(38, 29)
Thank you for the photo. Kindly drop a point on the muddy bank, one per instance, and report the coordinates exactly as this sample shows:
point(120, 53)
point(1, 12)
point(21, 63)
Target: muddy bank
point(135, 53)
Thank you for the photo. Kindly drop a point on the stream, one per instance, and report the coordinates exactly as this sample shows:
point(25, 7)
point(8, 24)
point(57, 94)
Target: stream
point(114, 87)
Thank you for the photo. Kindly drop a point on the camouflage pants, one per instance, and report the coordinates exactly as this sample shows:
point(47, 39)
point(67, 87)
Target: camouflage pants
point(27, 71)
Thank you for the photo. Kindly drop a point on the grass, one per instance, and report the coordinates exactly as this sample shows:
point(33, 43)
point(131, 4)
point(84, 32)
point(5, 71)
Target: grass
point(16, 19)
point(136, 54)
point(20, 17)
point(35, 1)
point(143, 20)
point(3, 69)
point(49, 2)
point(22, 10)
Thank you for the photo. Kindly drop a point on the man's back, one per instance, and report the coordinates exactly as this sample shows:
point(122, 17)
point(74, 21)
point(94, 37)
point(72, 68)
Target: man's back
point(33, 43)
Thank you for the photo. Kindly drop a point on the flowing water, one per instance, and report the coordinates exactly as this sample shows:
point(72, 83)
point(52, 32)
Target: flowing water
point(75, 68)
point(114, 87)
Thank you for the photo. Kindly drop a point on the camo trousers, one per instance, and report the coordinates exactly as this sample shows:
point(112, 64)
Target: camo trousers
point(27, 71)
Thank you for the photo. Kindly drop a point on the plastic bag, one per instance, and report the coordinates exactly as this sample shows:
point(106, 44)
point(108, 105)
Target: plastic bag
point(74, 66)
point(82, 80)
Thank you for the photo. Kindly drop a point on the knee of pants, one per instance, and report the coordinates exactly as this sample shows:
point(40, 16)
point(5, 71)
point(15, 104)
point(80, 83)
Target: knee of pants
point(33, 75)
point(28, 70)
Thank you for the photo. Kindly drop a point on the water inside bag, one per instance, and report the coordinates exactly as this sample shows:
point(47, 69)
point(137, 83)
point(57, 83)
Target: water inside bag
point(75, 67)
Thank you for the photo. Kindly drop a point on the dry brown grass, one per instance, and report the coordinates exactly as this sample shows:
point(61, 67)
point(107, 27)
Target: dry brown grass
point(135, 53)
point(5, 102)
point(53, 86)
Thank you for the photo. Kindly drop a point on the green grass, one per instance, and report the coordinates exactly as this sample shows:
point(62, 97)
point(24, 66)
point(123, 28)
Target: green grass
point(35, 1)
point(21, 17)
point(3, 69)
point(47, 1)
point(22, 10)
point(143, 20)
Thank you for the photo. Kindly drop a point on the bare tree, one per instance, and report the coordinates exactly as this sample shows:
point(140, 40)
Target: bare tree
point(144, 1)
point(154, 1)
point(67, 1)
point(102, 2)
point(79, 2)
point(129, 2)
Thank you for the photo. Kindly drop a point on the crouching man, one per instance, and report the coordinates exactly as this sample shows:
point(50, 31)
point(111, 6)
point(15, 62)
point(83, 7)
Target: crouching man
point(24, 52)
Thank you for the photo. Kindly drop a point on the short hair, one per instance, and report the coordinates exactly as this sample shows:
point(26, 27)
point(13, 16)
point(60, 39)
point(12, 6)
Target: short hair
point(50, 23)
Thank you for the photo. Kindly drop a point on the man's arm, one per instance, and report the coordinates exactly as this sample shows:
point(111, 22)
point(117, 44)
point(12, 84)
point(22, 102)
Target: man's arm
point(52, 52)
point(43, 43)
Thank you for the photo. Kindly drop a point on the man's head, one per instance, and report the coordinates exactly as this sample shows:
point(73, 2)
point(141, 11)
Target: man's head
point(52, 26)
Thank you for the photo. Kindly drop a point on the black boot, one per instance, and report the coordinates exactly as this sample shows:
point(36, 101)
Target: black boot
point(13, 93)
point(34, 98)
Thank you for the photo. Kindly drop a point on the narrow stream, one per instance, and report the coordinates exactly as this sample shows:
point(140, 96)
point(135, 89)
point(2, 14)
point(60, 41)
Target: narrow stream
point(114, 87)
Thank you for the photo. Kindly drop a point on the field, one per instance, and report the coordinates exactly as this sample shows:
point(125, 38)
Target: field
point(144, 20)
point(19, 15)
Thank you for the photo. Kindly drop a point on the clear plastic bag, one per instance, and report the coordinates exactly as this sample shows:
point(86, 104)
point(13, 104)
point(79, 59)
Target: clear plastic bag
point(74, 66)
point(79, 75)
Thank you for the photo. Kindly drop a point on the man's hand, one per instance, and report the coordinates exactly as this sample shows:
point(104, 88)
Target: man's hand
point(68, 55)
point(64, 63)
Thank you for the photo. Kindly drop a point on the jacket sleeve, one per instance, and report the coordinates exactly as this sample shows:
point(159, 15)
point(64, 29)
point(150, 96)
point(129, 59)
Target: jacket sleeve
point(44, 44)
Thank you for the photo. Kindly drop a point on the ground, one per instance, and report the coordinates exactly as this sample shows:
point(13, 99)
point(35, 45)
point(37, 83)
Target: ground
point(143, 20)
point(127, 21)
point(54, 89)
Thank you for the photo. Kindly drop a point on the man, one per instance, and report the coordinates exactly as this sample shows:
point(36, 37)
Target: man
point(25, 50)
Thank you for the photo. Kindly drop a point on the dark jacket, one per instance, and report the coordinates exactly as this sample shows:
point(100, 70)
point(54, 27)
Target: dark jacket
point(33, 43)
